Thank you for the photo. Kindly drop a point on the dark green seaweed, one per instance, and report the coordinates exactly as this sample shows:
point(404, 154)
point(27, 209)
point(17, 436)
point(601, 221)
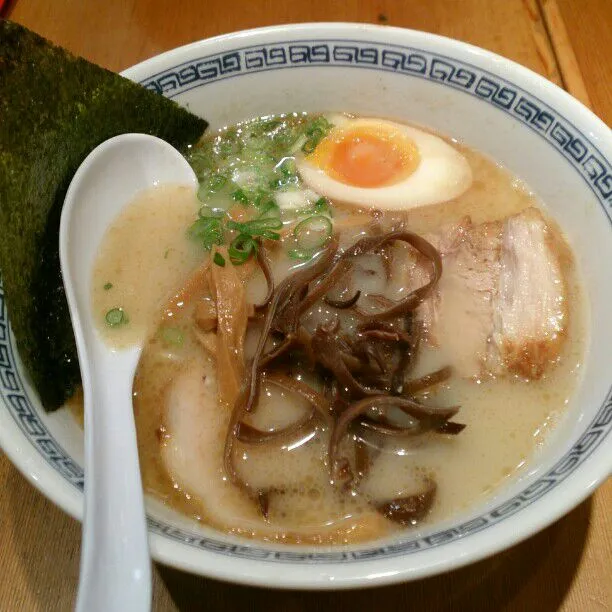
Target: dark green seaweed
point(54, 109)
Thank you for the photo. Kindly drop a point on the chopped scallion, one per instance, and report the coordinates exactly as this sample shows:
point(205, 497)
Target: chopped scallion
point(270, 235)
point(269, 210)
point(219, 259)
point(108, 286)
point(240, 196)
point(300, 254)
point(251, 164)
point(256, 227)
point(213, 184)
point(316, 130)
point(309, 146)
point(241, 248)
point(115, 317)
point(287, 167)
point(322, 207)
point(208, 231)
point(217, 182)
point(313, 232)
point(207, 211)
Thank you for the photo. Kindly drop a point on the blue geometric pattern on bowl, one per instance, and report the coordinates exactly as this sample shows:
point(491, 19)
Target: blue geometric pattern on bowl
point(582, 155)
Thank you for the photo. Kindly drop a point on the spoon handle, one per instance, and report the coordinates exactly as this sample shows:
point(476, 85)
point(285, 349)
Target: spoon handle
point(115, 562)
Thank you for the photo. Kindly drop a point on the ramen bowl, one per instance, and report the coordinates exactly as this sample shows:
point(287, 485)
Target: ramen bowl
point(530, 126)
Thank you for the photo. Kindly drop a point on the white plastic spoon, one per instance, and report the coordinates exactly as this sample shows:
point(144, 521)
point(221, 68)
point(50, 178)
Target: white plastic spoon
point(115, 564)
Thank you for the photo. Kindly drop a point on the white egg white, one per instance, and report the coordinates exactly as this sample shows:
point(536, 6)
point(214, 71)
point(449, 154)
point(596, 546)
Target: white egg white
point(441, 175)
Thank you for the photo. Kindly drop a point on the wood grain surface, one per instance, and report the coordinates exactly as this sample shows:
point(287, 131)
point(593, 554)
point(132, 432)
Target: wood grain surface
point(566, 567)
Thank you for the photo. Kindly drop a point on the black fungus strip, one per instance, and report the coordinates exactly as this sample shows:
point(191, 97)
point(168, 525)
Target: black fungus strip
point(357, 409)
point(424, 382)
point(408, 511)
point(342, 304)
point(362, 369)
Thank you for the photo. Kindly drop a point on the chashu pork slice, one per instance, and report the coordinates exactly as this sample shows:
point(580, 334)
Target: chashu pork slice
point(501, 302)
point(530, 305)
point(466, 294)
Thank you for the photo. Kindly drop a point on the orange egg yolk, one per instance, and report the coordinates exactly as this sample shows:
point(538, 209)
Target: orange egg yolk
point(366, 157)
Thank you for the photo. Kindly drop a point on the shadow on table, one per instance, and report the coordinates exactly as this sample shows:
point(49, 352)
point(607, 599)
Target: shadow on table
point(535, 574)
point(46, 542)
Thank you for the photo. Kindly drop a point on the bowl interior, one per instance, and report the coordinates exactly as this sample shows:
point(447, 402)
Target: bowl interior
point(490, 104)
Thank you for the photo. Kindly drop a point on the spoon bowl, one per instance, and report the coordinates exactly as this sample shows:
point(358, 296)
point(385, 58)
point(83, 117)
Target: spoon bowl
point(115, 563)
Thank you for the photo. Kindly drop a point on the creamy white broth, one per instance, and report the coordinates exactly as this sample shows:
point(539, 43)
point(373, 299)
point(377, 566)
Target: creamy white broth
point(507, 419)
point(143, 259)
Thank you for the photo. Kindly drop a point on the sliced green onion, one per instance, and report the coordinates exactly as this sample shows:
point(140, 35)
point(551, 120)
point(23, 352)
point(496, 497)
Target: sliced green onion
point(173, 336)
point(115, 317)
point(284, 182)
point(228, 144)
point(316, 130)
point(264, 150)
point(313, 233)
point(108, 286)
point(241, 248)
point(322, 207)
point(240, 196)
point(298, 144)
point(317, 126)
point(302, 255)
point(309, 146)
point(256, 227)
point(261, 198)
point(316, 134)
point(236, 225)
point(208, 211)
point(269, 210)
point(210, 186)
point(270, 235)
point(219, 259)
point(261, 226)
point(287, 170)
point(216, 182)
point(287, 167)
point(208, 231)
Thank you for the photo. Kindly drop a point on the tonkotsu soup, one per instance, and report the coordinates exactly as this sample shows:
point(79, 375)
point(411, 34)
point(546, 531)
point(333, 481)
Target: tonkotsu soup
point(354, 327)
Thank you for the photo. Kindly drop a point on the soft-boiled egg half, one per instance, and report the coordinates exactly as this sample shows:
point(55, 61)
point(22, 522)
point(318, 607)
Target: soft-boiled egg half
point(385, 165)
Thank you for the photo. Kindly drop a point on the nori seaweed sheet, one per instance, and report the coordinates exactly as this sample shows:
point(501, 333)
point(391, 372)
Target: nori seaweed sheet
point(54, 109)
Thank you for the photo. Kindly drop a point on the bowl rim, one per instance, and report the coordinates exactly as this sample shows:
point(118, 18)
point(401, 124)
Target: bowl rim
point(362, 573)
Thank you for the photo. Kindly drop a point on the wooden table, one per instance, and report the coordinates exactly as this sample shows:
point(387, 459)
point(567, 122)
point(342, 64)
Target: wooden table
point(566, 567)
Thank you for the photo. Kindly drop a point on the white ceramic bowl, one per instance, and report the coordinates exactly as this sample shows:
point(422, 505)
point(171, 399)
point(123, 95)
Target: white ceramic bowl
point(532, 127)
